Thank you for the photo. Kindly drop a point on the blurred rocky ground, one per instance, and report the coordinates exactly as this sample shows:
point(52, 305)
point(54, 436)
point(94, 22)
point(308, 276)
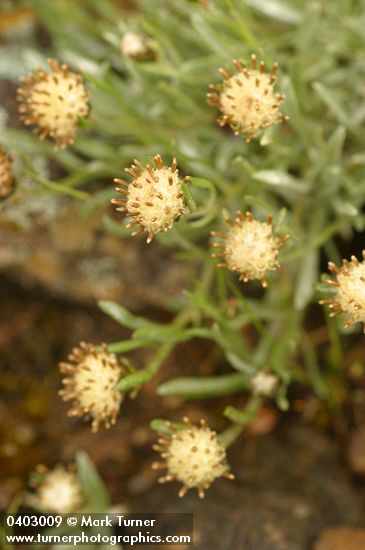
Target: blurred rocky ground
point(47, 246)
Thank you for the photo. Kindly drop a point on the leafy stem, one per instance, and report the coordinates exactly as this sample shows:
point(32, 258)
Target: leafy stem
point(57, 187)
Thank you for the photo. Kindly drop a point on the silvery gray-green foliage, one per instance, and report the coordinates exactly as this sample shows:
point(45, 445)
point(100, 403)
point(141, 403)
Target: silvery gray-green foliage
point(309, 172)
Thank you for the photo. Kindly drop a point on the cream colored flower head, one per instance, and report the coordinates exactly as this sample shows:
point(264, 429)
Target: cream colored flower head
point(247, 99)
point(154, 198)
point(58, 492)
point(250, 247)
point(193, 456)
point(350, 291)
point(92, 376)
point(6, 178)
point(137, 46)
point(53, 102)
point(264, 383)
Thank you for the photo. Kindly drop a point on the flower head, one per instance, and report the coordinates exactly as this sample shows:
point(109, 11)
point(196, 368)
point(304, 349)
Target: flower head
point(154, 197)
point(350, 290)
point(192, 456)
point(250, 247)
point(53, 102)
point(137, 46)
point(58, 491)
point(264, 383)
point(91, 383)
point(247, 99)
point(6, 180)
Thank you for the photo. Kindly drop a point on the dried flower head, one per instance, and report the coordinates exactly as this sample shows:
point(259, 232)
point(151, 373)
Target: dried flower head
point(350, 290)
point(137, 46)
point(91, 383)
point(192, 456)
point(6, 179)
point(53, 102)
point(264, 383)
point(154, 197)
point(250, 247)
point(58, 491)
point(247, 99)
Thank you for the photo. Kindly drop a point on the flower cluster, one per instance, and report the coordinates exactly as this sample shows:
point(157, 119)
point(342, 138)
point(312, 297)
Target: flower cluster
point(350, 290)
point(154, 198)
point(59, 490)
point(192, 456)
point(53, 102)
point(250, 247)
point(247, 99)
point(6, 179)
point(92, 376)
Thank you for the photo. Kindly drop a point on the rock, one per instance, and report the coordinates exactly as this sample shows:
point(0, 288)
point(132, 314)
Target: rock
point(49, 247)
point(341, 538)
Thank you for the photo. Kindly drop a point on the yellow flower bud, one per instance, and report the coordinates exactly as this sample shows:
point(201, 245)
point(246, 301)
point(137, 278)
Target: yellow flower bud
point(350, 291)
point(91, 381)
point(53, 102)
point(154, 198)
point(247, 99)
point(193, 456)
point(59, 491)
point(250, 247)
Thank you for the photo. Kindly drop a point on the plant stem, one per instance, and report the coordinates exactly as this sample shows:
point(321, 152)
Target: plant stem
point(230, 434)
point(57, 187)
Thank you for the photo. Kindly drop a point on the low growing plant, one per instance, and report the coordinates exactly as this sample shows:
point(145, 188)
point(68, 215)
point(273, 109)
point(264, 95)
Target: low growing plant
point(301, 181)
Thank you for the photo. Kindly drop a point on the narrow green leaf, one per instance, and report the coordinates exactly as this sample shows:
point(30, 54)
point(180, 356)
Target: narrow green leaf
point(282, 402)
point(230, 434)
point(126, 345)
point(134, 380)
point(141, 377)
point(333, 103)
point(204, 215)
point(247, 415)
point(345, 208)
point(335, 145)
point(308, 275)
point(92, 486)
point(207, 386)
point(277, 178)
point(203, 304)
point(238, 363)
point(122, 316)
point(204, 184)
point(276, 9)
point(162, 334)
